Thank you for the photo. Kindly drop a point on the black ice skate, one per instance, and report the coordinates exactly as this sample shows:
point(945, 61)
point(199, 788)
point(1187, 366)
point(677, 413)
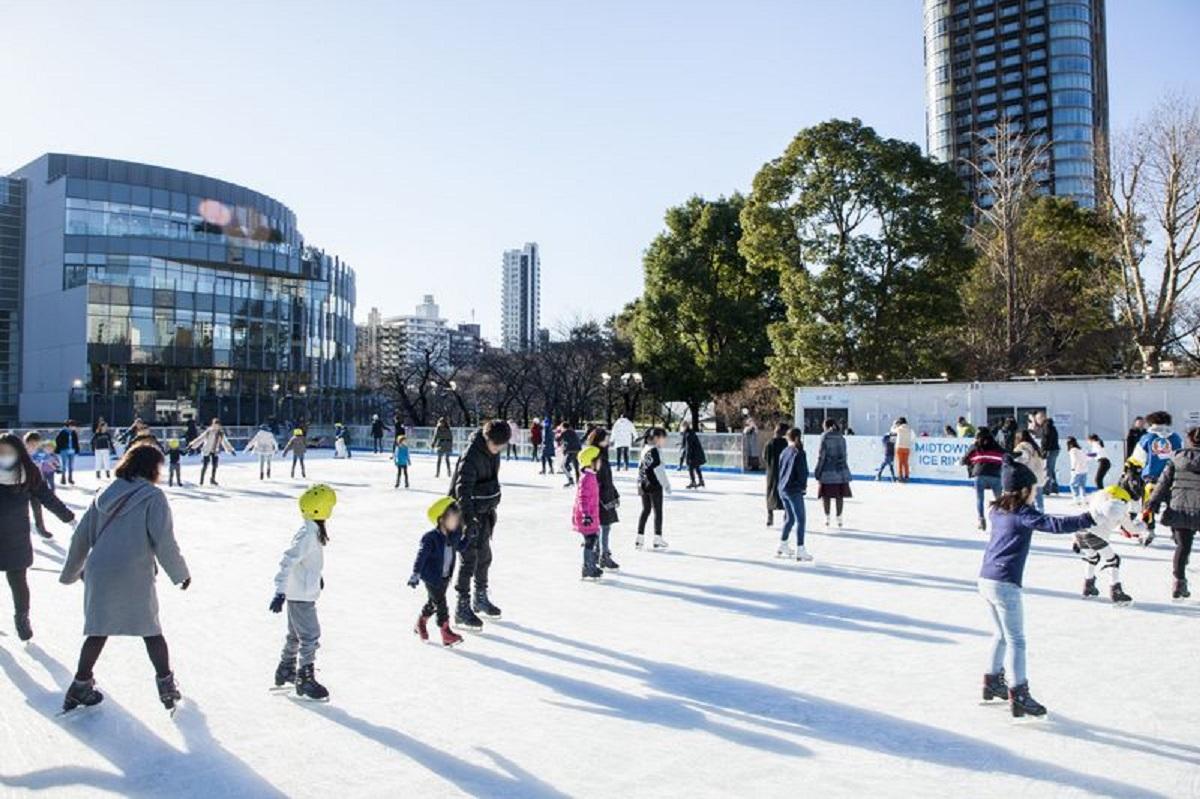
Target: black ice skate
point(308, 687)
point(24, 629)
point(464, 617)
point(1023, 704)
point(994, 687)
point(168, 690)
point(285, 673)
point(1089, 588)
point(1119, 597)
point(591, 573)
point(1180, 590)
point(607, 562)
point(44, 533)
point(81, 694)
point(484, 605)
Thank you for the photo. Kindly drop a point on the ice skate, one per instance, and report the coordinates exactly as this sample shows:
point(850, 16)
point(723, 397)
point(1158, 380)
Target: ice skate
point(827, 522)
point(81, 693)
point(421, 628)
point(639, 541)
point(464, 616)
point(785, 550)
point(449, 637)
point(1180, 590)
point(1119, 597)
point(285, 673)
point(802, 554)
point(168, 690)
point(24, 629)
point(1089, 588)
point(1022, 703)
point(660, 542)
point(308, 687)
point(484, 605)
point(606, 562)
point(839, 522)
point(994, 687)
point(982, 525)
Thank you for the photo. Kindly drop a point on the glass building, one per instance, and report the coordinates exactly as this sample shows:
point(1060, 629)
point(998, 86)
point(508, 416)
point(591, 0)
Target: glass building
point(163, 293)
point(1039, 64)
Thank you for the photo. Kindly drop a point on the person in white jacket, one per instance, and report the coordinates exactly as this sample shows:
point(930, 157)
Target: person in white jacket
point(265, 446)
point(210, 443)
point(904, 444)
point(623, 435)
point(1110, 507)
point(299, 584)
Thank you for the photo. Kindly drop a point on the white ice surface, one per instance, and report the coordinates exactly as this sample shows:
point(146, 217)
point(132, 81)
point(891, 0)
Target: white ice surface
point(711, 670)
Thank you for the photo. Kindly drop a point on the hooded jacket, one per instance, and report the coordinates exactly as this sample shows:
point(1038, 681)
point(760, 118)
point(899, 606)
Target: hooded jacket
point(476, 480)
point(610, 498)
point(299, 577)
point(117, 547)
point(1179, 487)
point(585, 516)
point(430, 564)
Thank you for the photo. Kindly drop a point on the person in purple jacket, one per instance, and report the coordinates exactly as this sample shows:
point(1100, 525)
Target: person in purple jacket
point(1013, 521)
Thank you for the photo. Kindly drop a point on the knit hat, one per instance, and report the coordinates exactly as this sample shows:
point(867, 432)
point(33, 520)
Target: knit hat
point(1014, 476)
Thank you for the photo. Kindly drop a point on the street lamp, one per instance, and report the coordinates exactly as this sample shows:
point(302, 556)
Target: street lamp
point(77, 383)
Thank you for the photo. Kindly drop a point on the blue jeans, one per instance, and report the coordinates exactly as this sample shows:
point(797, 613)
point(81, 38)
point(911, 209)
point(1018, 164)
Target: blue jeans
point(983, 483)
point(793, 507)
point(604, 550)
point(1079, 486)
point(1051, 471)
point(1008, 635)
point(67, 459)
point(1039, 499)
point(888, 463)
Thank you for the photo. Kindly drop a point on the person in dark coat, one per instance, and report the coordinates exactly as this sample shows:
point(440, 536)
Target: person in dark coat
point(66, 444)
point(377, 430)
point(191, 433)
point(984, 461)
point(571, 446)
point(832, 470)
point(770, 456)
point(1179, 488)
point(476, 487)
point(442, 444)
point(20, 481)
point(692, 454)
point(1136, 431)
point(610, 498)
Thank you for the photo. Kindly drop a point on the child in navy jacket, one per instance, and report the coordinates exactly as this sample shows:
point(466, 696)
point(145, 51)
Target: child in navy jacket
point(435, 567)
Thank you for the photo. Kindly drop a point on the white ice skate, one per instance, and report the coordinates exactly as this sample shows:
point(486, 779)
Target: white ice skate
point(660, 542)
point(802, 554)
point(639, 541)
point(784, 551)
point(839, 522)
point(827, 522)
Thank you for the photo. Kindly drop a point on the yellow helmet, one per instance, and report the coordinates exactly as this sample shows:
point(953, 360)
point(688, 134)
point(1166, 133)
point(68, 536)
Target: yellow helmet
point(173, 443)
point(317, 502)
point(297, 432)
point(1134, 460)
point(438, 509)
point(588, 455)
point(1117, 492)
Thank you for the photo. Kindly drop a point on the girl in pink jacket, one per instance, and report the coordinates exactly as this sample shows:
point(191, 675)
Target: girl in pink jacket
point(586, 516)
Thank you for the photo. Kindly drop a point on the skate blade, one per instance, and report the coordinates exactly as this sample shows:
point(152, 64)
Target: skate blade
point(1122, 604)
point(281, 689)
point(1030, 720)
point(76, 712)
point(308, 699)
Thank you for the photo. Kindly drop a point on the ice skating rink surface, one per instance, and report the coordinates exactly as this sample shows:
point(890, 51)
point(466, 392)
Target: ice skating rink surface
point(713, 669)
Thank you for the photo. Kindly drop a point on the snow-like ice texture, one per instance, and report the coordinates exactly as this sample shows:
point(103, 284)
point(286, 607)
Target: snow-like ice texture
point(710, 670)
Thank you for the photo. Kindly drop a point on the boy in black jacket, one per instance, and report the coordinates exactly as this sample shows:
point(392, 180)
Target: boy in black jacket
point(435, 566)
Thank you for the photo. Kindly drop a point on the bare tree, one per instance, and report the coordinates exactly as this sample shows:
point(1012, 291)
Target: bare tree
point(1152, 190)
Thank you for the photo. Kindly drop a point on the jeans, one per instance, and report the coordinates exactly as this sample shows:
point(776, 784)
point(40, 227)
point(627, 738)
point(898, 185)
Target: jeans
point(1039, 499)
point(1079, 486)
point(377, 444)
point(604, 529)
point(570, 465)
point(304, 633)
point(622, 457)
point(1008, 621)
point(298, 457)
point(982, 483)
point(449, 467)
point(1102, 471)
point(793, 507)
point(174, 473)
point(67, 457)
point(887, 464)
point(1051, 471)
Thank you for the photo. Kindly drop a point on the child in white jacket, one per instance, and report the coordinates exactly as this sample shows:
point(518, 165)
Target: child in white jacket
point(1110, 508)
point(265, 446)
point(299, 584)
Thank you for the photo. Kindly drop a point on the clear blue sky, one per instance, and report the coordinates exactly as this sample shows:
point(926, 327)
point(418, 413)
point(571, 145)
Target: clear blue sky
point(418, 139)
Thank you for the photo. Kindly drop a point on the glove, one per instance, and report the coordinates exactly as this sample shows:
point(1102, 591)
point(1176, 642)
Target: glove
point(185, 584)
point(277, 603)
point(414, 581)
point(322, 583)
point(587, 520)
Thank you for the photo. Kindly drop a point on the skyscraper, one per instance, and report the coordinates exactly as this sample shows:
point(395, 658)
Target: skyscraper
point(1039, 64)
point(521, 299)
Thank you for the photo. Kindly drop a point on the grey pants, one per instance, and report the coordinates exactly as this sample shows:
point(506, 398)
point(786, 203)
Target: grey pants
point(304, 633)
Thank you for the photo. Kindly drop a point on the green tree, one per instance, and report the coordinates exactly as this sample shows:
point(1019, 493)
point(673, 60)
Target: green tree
point(864, 236)
point(700, 327)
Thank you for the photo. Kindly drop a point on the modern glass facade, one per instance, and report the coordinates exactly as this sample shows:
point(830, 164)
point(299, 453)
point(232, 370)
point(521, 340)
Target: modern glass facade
point(1038, 64)
point(195, 295)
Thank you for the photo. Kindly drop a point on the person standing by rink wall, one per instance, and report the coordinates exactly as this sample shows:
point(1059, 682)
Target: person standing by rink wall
point(904, 442)
point(443, 445)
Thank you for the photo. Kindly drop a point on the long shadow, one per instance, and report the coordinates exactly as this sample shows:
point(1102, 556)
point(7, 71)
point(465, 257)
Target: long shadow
point(475, 780)
point(974, 544)
point(1122, 739)
point(148, 765)
point(807, 716)
point(509, 484)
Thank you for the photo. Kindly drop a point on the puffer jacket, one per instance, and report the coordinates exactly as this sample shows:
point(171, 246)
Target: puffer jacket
point(476, 480)
point(585, 517)
point(299, 577)
point(610, 498)
point(1179, 488)
point(262, 443)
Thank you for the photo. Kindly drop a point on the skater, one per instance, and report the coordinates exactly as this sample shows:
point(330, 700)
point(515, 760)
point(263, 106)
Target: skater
point(1097, 453)
point(832, 470)
point(66, 444)
point(210, 443)
point(793, 483)
point(443, 445)
point(569, 440)
point(510, 451)
point(904, 442)
point(297, 445)
point(548, 452)
point(115, 549)
point(1079, 470)
point(535, 440)
point(983, 461)
point(400, 458)
point(378, 428)
point(585, 516)
point(1178, 487)
point(264, 445)
point(435, 567)
point(692, 455)
point(623, 435)
point(174, 462)
point(1046, 433)
point(1006, 434)
point(1014, 521)
point(341, 441)
point(964, 428)
point(1136, 431)
point(652, 484)
point(42, 454)
point(889, 456)
point(299, 584)
point(1110, 507)
point(770, 457)
point(610, 498)
point(476, 487)
point(102, 449)
point(1026, 451)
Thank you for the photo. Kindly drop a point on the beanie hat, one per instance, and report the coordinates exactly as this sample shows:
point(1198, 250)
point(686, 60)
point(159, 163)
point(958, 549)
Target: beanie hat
point(1015, 476)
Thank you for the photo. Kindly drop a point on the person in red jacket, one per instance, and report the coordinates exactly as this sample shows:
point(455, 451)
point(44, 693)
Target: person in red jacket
point(586, 516)
point(535, 439)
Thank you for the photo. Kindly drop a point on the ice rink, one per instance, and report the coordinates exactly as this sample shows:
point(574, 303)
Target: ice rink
point(713, 669)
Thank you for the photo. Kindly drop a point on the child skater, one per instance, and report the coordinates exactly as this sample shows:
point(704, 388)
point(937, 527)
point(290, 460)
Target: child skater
point(296, 445)
point(400, 458)
point(264, 445)
point(174, 457)
point(585, 517)
point(299, 584)
point(1079, 470)
point(610, 498)
point(1013, 522)
point(652, 484)
point(33, 446)
point(435, 567)
point(1111, 504)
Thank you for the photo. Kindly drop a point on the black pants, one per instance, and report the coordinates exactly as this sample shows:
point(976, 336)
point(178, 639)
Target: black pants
point(1183, 552)
point(510, 452)
point(838, 501)
point(378, 442)
point(449, 468)
point(39, 521)
point(298, 457)
point(174, 474)
point(401, 470)
point(437, 602)
point(1101, 470)
point(652, 501)
point(695, 475)
point(477, 557)
point(547, 461)
point(93, 645)
point(18, 583)
point(214, 459)
point(622, 457)
point(571, 465)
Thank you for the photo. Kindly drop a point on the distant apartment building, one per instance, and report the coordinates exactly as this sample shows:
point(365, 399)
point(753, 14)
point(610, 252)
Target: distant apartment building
point(521, 293)
point(466, 345)
point(380, 351)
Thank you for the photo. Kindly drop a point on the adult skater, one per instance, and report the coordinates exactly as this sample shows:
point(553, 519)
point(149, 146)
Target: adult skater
point(1014, 521)
point(904, 443)
point(692, 455)
point(510, 449)
point(1110, 507)
point(1097, 453)
point(193, 431)
point(378, 428)
point(770, 457)
point(964, 429)
point(610, 498)
point(102, 449)
point(435, 567)
point(623, 435)
point(568, 439)
point(535, 440)
point(548, 452)
point(1079, 470)
point(1006, 434)
point(1156, 446)
point(476, 487)
point(297, 445)
point(211, 443)
point(1178, 487)
point(832, 470)
point(793, 483)
point(1046, 433)
point(983, 461)
point(66, 445)
point(264, 445)
point(299, 584)
point(442, 444)
point(653, 483)
point(21, 482)
point(116, 545)
point(1136, 430)
point(1026, 451)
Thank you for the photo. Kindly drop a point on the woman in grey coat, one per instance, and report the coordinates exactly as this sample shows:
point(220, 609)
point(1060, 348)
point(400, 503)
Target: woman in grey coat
point(833, 469)
point(114, 551)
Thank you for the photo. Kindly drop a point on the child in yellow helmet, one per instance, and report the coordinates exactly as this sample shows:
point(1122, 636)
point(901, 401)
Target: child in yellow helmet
point(435, 567)
point(585, 517)
point(1110, 508)
point(297, 445)
point(174, 456)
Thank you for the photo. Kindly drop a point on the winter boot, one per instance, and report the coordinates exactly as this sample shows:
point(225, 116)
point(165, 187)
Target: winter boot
point(639, 541)
point(994, 687)
point(82, 693)
point(24, 629)
point(421, 629)
point(285, 673)
point(660, 542)
point(449, 637)
point(607, 562)
point(1180, 590)
point(1022, 703)
point(1089, 588)
point(168, 691)
point(484, 605)
point(1119, 597)
point(307, 685)
point(464, 616)
point(802, 554)
point(982, 524)
point(785, 550)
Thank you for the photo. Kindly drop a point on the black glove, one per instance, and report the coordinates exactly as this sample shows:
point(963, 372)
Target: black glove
point(277, 603)
point(414, 581)
point(185, 584)
point(322, 583)
point(587, 520)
